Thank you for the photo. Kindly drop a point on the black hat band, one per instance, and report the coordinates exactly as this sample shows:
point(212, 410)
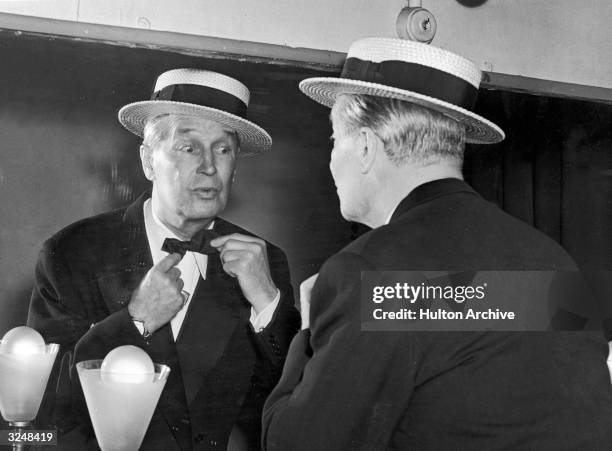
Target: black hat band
point(413, 77)
point(204, 96)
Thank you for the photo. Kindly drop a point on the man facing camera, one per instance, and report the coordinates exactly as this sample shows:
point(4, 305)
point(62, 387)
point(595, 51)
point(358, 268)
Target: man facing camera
point(401, 113)
point(197, 293)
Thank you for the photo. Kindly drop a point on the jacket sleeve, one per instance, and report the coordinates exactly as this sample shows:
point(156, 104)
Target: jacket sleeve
point(271, 345)
point(273, 341)
point(341, 388)
point(59, 312)
point(56, 310)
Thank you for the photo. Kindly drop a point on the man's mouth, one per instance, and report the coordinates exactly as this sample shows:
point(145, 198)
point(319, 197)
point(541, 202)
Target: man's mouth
point(207, 193)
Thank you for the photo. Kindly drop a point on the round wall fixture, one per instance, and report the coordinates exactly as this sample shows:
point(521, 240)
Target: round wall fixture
point(416, 24)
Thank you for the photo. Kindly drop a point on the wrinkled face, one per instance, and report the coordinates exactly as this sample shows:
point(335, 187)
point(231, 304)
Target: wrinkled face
point(345, 169)
point(192, 169)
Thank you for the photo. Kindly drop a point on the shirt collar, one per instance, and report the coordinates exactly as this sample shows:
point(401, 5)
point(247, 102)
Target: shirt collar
point(157, 232)
point(390, 215)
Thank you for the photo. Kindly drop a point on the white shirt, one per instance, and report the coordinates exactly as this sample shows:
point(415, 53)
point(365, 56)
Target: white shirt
point(388, 220)
point(192, 265)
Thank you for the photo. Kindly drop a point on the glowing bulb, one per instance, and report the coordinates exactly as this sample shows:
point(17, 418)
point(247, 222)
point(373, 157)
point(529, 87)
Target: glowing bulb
point(22, 341)
point(127, 364)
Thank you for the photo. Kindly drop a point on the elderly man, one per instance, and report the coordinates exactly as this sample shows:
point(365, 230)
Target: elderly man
point(401, 112)
point(197, 293)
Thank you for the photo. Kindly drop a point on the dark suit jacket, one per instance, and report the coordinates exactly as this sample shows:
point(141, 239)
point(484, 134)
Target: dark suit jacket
point(346, 389)
point(221, 370)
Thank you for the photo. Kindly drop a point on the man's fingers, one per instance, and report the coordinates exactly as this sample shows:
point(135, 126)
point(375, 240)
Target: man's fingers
point(306, 288)
point(309, 283)
point(185, 295)
point(305, 292)
point(231, 268)
point(174, 273)
point(234, 250)
point(238, 245)
point(237, 237)
point(230, 256)
point(168, 262)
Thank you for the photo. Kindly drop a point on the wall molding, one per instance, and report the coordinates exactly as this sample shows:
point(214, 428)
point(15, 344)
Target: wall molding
point(212, 47)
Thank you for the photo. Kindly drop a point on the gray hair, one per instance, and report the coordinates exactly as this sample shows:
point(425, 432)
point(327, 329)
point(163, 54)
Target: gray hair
point(409, 132)
point(161, 127)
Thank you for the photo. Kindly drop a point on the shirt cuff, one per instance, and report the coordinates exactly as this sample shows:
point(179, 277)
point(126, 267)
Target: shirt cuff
point(265, 316)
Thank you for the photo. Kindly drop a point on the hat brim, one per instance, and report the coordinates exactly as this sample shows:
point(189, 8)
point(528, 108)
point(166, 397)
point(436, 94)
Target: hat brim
point(324, 90)
point(253, 138)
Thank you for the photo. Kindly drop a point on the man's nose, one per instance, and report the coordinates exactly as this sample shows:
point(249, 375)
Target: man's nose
point(207, 163)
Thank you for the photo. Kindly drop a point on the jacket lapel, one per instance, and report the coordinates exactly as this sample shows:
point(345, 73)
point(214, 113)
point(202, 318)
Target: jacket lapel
point(130, 259)
point(127, 263)
point(215, 311)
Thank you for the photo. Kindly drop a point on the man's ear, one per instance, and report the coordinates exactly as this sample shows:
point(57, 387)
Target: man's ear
point(371, 146)
point(235, 164)
point(146, 158)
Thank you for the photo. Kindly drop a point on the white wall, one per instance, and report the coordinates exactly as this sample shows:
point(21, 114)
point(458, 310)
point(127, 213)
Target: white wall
point(558, 40)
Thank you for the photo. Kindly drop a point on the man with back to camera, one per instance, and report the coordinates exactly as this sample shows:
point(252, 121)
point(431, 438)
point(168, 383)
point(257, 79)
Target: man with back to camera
point(401, 113)
point(166, 274)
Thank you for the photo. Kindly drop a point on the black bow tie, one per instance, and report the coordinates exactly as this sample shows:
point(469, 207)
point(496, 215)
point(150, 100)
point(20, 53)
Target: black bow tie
point(199, 243)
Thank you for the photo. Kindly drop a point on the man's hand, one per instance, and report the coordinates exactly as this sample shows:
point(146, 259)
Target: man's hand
point(246, 258)
point(159, 297)
point(305, 293)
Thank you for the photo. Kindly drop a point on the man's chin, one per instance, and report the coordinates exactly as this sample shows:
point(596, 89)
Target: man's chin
point(353, 210)
point(348, 216)
point(205, 210)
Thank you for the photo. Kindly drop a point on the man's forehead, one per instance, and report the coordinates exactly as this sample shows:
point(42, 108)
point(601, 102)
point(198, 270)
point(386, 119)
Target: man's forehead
point(195, 125)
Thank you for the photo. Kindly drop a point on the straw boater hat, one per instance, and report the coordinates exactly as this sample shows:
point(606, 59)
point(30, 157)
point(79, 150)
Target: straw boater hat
point(200, 93)
point(413, 72)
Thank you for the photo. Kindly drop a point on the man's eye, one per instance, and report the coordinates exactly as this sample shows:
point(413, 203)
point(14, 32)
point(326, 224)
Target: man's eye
point(187, 149)
point(224, 150)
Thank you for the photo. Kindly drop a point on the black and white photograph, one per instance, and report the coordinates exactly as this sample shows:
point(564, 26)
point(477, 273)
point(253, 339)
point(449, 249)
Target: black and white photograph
point(283, 225)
